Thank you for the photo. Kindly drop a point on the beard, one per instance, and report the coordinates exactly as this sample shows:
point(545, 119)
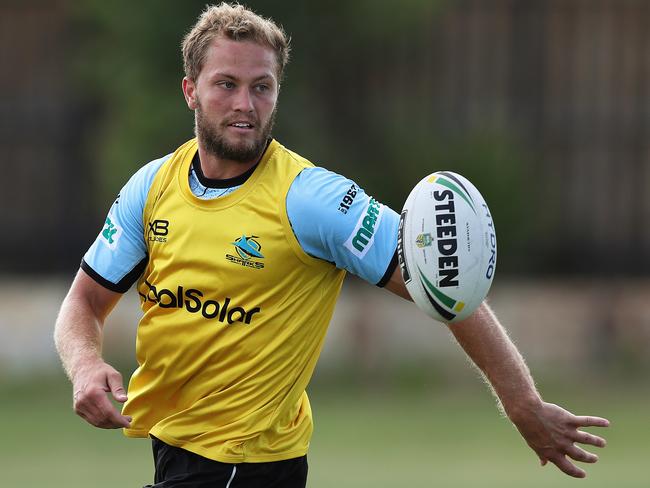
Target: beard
point(213, 139)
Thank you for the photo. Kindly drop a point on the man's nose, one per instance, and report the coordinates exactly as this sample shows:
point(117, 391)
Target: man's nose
point(243, 101)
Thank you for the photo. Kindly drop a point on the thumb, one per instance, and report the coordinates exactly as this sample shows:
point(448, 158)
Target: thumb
point(543, 461)
point(114, 381)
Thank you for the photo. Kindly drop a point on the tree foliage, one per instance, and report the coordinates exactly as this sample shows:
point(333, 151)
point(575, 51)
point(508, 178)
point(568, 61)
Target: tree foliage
point(359, 97)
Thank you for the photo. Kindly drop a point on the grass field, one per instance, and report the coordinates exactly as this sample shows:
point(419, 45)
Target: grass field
point(406, 438)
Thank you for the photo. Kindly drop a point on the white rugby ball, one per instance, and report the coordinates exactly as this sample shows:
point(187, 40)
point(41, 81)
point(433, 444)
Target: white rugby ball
point(447, 246)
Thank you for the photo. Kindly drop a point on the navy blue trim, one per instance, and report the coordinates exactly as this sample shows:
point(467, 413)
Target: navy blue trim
point(227, 182)
point(219, 183)
point(124, 284)
point(389, 271)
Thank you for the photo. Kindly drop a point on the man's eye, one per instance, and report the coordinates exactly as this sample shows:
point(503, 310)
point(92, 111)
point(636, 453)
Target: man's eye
point(262, 88)
point(226, 84)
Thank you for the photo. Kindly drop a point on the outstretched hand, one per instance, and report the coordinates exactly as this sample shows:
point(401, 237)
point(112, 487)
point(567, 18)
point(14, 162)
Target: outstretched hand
point(91, 401)
point(552, 432)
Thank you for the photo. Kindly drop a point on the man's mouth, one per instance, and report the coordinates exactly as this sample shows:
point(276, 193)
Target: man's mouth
point(241, 125)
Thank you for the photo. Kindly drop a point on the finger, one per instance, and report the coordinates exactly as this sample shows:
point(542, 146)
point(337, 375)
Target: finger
point(84, 406)
point(113, 419)
point(117, 421)
point(114, 422)
point(589, 421)
point(102, 413)
point(580, 454)
point(567, 467)
point(83, 416)
point(587, 438)
point(94, 413)
point(114, 381)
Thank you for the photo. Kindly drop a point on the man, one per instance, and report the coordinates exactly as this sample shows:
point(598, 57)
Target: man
point(239, 247)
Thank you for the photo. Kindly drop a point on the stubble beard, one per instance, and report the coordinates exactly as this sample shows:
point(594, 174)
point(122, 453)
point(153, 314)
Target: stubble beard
point(213, 139)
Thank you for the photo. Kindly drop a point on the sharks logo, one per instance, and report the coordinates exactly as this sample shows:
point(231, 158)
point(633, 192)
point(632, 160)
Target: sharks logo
point(248, 251)
point(248, 247)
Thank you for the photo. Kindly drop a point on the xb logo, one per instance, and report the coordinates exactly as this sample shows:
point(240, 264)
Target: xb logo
point(158, 229)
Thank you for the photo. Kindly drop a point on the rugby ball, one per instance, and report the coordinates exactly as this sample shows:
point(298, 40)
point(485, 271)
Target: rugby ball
point(447, 246)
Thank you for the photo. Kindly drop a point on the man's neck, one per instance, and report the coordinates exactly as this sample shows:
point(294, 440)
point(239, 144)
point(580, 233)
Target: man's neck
point(216, 168)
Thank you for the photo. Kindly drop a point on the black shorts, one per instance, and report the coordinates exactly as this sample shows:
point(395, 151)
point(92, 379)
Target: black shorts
point(178, 468)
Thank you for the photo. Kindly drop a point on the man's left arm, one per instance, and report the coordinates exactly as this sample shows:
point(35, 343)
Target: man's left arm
point(335, 220)
point(548, 429)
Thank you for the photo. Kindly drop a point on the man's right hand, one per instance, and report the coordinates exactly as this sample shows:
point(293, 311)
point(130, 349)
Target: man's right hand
point(91, 402)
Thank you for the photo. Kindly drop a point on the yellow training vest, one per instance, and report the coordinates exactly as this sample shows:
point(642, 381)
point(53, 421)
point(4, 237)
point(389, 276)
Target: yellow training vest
point(235, 315)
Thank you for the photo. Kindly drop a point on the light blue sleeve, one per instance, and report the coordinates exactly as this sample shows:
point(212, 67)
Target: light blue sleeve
point(118, 256)
point(335, 220)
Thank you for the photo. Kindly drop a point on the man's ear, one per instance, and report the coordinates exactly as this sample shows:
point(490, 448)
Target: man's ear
point(189, 91)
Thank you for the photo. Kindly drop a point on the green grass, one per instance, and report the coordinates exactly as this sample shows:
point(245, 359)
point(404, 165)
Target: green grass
point(458, 440)
point(405, 438)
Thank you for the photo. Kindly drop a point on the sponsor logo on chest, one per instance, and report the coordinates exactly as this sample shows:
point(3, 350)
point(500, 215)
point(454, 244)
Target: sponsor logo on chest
point(193, 300)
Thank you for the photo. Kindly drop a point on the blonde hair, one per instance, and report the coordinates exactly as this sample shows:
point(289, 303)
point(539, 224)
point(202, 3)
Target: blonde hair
point(237, 23)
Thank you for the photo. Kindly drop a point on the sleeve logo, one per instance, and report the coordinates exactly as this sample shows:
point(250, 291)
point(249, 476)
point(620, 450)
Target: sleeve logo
point(363, 235)
point(348, 199)
point(111, 233)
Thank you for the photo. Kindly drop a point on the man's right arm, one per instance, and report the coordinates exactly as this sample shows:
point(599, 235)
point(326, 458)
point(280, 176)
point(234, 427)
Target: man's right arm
point(78, 339)
point(112, 264)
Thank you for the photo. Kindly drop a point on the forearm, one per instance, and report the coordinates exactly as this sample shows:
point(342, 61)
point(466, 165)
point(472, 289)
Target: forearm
point(78, 335)
point(78, 338)
point(486, 342)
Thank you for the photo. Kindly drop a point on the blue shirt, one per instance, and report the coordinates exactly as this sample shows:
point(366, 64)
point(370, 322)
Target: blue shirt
point(326, 212)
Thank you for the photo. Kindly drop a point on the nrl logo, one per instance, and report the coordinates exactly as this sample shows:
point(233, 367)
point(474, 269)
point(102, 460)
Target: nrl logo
point(423, 240)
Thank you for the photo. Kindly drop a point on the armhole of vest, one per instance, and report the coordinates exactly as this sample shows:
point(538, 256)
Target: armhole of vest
point(288, 230)
point(154, 193)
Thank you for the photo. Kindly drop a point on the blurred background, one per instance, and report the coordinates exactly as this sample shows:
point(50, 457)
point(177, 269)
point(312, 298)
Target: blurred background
point(544, 105)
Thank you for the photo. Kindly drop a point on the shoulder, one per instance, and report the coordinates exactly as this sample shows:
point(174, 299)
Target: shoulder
point(325, 205)
point(127, 209)
point(143, 177)
point(136, 189)
point(291, 158)
point(334, 219)
point(314, 181)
